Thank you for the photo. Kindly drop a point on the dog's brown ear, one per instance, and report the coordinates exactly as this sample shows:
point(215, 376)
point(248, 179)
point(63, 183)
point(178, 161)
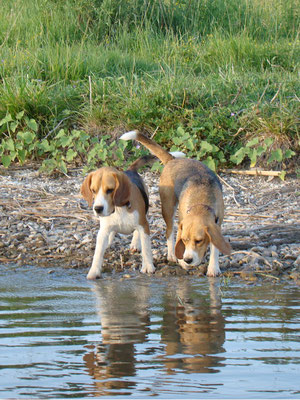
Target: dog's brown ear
point(179, 246)
point(85, 189)
point(121, 193)
point(215, 236)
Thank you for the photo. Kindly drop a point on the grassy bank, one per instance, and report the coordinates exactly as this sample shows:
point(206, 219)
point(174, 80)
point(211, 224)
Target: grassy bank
point(216, 74)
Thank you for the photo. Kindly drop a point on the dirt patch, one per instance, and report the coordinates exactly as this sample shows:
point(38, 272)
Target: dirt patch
point(44, 221)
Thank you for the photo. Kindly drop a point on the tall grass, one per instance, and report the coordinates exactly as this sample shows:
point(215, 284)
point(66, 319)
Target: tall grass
point(155, 64)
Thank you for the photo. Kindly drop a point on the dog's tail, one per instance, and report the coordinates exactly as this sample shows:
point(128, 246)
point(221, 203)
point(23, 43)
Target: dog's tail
point(155, 148)
point(140, 162)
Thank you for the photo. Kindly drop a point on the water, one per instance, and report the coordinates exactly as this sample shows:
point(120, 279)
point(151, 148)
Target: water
point(62, 336)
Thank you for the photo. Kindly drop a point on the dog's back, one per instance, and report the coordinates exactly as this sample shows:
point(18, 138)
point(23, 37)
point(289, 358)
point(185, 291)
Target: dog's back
point(135, 178)
point(186, 172)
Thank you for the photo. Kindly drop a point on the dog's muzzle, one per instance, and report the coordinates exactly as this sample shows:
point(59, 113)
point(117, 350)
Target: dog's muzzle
point(98, 210)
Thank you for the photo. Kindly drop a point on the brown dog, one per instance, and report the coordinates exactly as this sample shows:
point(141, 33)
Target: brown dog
point(121, 203)
point(198, 191)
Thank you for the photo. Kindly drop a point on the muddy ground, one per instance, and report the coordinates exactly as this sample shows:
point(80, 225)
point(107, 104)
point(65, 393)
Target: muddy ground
point(45, 222)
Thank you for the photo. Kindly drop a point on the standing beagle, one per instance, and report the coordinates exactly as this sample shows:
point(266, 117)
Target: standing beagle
point(198, 191)
point(121, 203)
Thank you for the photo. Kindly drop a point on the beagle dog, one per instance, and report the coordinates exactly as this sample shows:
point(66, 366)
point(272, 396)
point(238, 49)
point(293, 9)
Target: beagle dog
point(197, 191)
point(120, 200)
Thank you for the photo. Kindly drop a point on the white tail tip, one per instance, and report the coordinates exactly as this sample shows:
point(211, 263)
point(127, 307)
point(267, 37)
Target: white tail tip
point(177, 154)
point(132, 135)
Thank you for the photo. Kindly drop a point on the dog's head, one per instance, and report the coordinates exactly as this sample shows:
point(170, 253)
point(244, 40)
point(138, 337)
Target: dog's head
point(194, 235)
point(107, 188)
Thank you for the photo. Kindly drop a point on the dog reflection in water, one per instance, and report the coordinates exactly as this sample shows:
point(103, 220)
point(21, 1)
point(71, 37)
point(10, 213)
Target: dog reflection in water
point(192, 327)
point(125, 321)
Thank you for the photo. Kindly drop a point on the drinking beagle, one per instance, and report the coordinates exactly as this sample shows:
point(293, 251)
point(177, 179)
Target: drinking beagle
point(197, 191)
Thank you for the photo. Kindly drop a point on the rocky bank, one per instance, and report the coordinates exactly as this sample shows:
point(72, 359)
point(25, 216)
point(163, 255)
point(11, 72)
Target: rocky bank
point(45, 222)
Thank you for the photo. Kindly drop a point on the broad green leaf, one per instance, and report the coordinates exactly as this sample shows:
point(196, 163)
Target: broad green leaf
point(157, 166)
point(120, 154)
point(20, 115)
point(269, 141)
point(6, 119)
point(65, 141)
point(189, 144)
point(60, 134)
point(103, 154)
point(32, 146)
point(206, 146)
point(252, 142)
point(63, 167)
point(71, 154)
point(238, 157)
point(21, 155)
point(221, 156)
point(75, 133)
point(289, 153)
point(177, 141)
point(13, 126)
point(276, 155)
point(210, 162)
point(180, 131)
point(260, 150)
point(282, 175)
point(28, 137)
point(9, 144)
point(45, 146)
point(32, 125)
point(253, 158)
point(6, 161)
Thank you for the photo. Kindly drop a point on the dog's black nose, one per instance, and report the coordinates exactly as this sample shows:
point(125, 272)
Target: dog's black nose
point(98, 209)
point(188, 260)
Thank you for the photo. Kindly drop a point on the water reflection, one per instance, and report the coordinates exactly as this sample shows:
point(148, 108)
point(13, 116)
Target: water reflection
point(125, 321)
point(62, 336)
point(193, 329)
point(184, 330)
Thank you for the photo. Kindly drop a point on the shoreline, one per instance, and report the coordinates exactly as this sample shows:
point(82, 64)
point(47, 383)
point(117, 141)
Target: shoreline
point(44, 221)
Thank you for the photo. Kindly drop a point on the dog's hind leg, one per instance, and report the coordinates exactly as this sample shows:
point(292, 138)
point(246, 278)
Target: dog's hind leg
point(168, 206)
point(147, 263)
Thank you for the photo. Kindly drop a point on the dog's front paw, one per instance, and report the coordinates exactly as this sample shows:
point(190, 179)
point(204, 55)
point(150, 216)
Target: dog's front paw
point(172, 258)
point(148, 269)
point(134, 249)
point(93, 274)
point(213, 272)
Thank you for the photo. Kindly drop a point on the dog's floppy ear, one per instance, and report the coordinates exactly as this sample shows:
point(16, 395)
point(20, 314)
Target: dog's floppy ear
point(122, 190)
point(86, 189)
point(179, 246)
point(215, 236)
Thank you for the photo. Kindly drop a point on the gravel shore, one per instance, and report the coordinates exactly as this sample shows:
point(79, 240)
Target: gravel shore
point(45, 222)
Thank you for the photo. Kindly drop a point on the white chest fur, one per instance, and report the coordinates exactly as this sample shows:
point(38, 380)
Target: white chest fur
point(120, 221)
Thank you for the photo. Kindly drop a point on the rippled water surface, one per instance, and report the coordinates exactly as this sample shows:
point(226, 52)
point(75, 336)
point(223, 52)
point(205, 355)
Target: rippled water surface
point(62, 336)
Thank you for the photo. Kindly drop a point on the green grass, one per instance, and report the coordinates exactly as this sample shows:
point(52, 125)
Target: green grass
point(225, 71)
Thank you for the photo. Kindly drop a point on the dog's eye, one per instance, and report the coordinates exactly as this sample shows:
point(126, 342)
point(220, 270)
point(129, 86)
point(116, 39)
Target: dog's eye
point(93, 191)
point(198, 241)
point(108, 191)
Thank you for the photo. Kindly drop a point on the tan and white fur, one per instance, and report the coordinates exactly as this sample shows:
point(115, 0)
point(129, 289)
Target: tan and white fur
point(120, 200)
point(196, 190)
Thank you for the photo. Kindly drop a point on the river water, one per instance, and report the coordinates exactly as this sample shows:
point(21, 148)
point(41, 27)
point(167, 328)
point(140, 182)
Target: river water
point(64, 337)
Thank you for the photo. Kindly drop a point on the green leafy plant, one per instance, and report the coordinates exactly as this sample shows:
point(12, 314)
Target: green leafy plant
point(202, 150)
point(21, 140)
point(21, 144)
point(254, 149)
